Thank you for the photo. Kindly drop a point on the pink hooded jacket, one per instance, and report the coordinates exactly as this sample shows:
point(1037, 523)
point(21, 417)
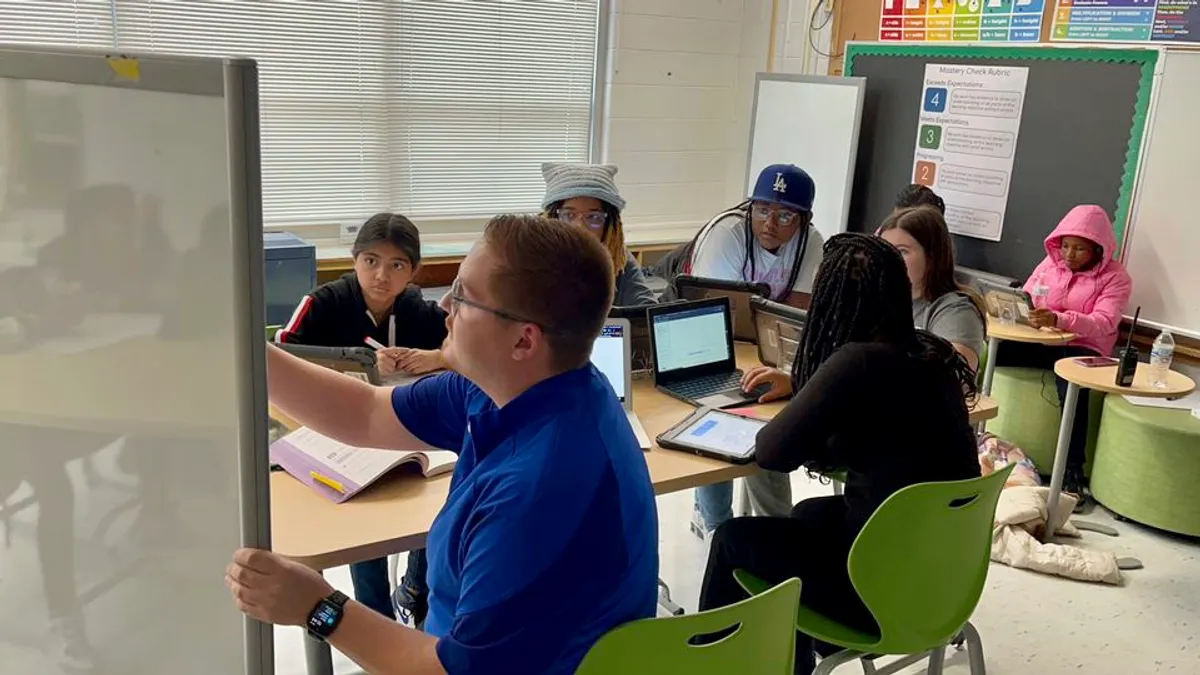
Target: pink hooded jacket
point(1089, 303)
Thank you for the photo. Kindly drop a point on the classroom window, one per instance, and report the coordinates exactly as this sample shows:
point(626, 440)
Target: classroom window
point(439, 109)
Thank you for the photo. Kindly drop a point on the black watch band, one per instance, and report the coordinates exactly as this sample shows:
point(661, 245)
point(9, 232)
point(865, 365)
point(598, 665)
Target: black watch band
point(325, 617)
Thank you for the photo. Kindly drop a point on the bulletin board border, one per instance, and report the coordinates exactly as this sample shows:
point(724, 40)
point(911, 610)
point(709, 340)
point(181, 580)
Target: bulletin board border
point(1145, 58)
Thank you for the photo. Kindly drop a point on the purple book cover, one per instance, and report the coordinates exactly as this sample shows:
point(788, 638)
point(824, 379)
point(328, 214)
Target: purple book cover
point(301, 466)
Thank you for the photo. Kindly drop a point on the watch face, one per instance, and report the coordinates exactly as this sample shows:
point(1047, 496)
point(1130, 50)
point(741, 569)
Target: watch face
point(324, 618)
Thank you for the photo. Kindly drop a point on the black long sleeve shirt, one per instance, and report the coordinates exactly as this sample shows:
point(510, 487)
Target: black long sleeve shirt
point(890, 419)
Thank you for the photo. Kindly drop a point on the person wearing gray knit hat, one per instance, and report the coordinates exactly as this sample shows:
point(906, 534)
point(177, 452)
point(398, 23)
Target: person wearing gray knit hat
point(586, 195)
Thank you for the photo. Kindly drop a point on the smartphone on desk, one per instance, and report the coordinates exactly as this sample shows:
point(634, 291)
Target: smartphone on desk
point(1095, 361)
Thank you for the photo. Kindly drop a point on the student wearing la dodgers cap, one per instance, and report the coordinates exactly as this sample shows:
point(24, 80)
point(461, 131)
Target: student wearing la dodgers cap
point(767, 238)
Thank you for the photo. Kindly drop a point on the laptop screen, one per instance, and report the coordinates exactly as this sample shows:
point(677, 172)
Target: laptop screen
point(690, 337)
point(608, 355)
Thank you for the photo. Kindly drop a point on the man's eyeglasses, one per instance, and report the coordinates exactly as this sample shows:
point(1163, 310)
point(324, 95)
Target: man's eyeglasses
point(456, 298)
point(594, 220)
point(783, 217)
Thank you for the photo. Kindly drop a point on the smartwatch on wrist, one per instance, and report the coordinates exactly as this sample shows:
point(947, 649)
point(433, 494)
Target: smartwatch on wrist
point(325, 617)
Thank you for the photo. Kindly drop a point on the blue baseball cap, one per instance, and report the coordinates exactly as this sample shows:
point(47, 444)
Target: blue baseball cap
point(787, 185)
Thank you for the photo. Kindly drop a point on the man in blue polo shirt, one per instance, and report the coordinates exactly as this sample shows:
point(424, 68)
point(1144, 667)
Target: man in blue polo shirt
point(548, 538)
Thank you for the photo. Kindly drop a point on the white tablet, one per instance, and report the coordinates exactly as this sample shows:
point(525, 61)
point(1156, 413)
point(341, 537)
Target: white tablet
point(715, 433)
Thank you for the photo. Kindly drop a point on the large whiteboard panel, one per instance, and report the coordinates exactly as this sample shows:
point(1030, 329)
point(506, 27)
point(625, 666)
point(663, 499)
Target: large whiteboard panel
point(132, 458)
point(812, 122)
point(1163, 252)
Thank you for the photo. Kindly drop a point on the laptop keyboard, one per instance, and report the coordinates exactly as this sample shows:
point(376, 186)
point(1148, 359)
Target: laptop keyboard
point(708, 385)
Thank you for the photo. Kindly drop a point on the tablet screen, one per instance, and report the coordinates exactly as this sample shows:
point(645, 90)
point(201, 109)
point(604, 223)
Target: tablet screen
point(722, 432)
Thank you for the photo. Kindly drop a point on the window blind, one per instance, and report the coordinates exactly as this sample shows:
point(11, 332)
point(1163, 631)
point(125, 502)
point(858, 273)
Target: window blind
point(69, 23)
point(433, 108)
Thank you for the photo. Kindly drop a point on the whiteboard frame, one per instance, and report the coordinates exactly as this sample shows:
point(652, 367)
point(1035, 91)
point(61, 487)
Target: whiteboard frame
point(236, 81)
point(859, 83)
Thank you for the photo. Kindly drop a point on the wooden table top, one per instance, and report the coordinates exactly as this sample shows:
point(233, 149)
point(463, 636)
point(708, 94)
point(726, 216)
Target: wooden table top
point(1104, 379)
point(395, 514)
point(1017, 332)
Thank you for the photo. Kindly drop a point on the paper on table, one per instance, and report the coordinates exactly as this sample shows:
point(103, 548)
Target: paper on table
point(1189, 402)
point(359, 465)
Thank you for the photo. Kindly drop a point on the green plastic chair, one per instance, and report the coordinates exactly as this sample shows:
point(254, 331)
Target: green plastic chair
point(764, 642)
point(919, 566)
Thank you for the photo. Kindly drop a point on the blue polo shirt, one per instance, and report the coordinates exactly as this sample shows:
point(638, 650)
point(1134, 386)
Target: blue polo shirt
point(549, 537)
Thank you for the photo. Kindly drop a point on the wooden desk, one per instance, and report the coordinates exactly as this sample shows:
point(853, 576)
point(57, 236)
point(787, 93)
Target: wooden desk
point(395, 514)
point(1099, 379)
point(1015, 332)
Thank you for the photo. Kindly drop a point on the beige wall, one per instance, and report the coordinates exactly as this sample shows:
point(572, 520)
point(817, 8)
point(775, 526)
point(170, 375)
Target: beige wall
point(679, 99)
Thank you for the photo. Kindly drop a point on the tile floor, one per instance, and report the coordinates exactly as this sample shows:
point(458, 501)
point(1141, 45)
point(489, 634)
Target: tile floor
point(1031, 624)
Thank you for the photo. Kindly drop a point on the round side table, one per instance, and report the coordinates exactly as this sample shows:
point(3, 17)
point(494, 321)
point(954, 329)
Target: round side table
point(1099, 379)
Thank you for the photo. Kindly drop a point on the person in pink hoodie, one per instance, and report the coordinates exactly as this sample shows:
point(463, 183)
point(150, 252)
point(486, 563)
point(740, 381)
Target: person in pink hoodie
point(1080, 288)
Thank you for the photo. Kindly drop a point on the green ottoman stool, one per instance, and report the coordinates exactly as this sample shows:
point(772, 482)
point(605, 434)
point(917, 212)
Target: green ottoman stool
point(1147, 465)
point(1030, 414)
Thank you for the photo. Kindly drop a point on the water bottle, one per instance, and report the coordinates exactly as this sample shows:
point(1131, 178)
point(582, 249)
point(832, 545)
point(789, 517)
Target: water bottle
point(1040, 292)
point(1160, 359)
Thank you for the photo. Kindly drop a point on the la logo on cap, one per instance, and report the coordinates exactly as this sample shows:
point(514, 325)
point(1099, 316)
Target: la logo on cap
point(780, 184)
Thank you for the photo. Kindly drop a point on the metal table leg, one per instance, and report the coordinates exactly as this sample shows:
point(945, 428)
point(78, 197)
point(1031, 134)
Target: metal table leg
point(1060, 458)
point(318, 657)
point(1062, 449)
point(989, 372)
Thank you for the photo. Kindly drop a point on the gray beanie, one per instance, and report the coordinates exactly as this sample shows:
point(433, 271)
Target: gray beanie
point(564, 181)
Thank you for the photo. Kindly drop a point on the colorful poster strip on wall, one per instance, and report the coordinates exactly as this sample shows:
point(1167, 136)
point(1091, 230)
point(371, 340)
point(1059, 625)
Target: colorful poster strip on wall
point(1170, 21)
point(962, 20)
point(966, 141)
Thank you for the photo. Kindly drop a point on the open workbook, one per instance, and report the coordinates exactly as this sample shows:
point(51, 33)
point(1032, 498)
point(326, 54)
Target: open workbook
point(339, 471)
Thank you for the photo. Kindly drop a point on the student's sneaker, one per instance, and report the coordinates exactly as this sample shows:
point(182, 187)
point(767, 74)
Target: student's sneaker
point(411, 607)
point(74, 653)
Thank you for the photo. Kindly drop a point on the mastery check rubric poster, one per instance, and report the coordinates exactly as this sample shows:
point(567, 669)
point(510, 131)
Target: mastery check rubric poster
point(961, 20)
point(966, 141)
point(1161, 21)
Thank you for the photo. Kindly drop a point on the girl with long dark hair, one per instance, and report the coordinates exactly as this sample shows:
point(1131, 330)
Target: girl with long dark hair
point(876, 397)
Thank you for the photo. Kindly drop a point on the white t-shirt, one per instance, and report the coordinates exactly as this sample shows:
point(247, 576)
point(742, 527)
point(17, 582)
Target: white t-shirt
point(720, 253)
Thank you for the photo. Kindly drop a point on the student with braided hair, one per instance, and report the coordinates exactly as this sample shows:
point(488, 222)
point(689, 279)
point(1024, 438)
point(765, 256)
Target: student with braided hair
point(877, 398)
point(768, 238)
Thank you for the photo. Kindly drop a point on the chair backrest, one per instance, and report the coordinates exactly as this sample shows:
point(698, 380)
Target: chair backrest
point(921, 561)
point(763, 641)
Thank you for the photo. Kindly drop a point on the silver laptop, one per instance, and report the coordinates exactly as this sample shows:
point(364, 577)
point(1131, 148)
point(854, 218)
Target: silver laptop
point(612, 354)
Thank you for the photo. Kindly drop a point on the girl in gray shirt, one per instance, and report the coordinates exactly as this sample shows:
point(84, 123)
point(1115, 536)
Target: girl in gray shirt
point(940, 304)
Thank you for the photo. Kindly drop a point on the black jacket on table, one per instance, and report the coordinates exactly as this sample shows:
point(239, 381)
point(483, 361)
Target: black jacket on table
point(336, 315)
point(890, 419)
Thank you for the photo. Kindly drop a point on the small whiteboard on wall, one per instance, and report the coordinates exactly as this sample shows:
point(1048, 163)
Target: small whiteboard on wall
point(1161, 249)
point(810, 121)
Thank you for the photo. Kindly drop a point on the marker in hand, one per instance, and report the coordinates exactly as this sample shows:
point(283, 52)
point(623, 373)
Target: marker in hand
point(373, 343)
